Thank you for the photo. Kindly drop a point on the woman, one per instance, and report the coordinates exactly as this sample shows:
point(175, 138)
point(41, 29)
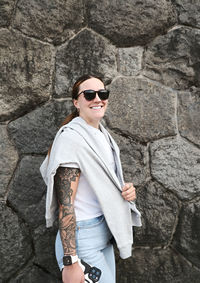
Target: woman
point(84, 179)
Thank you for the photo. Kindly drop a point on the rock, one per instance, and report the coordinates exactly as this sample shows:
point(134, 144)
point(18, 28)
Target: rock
point(130, 60)
point(27, 191)
point(174, 59)
point(156, 265)
point(187, 236)
point(188, 12)
point(86, 53)
point(6, 11)
point(175, 164)
point(49, 20)
point(44, 243)
point(134, 159)
point(159, 211)
point(25, 67)
point(34, 132)
point(15, 243)
point(129, 23)
point(188, 115)
point(8, 160)
point(33, 273)
point(147, 111)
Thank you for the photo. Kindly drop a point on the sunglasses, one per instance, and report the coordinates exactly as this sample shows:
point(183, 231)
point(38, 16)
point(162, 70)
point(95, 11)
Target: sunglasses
point(90, 94)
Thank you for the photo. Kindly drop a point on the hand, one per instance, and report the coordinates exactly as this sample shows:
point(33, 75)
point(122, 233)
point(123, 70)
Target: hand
point(128, 192)
point(73, 274)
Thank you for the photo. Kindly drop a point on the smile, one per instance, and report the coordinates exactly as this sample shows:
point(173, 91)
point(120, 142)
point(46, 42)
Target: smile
point(96, 107)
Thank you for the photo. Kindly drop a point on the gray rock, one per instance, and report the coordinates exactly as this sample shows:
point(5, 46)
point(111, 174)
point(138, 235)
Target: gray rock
point(49, 20)
point(189, 115)
point(6, 11)
point(159, 211)
point(25, 73)
point(141, 109)
point(87, 52)
point(8, 160)
point(188, 12)
point(130, 60)
point(176, 164)
point(27, 191)
point(129, 23)
point(174, 59)
point(156, 266)
point(33, 274)
point(15, 243)
point(187, 236)
point(134, 158)
point(44, 243)
point(34, 132)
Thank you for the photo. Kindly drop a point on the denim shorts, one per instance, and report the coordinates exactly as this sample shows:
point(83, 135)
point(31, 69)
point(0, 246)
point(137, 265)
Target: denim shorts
point(93, 245)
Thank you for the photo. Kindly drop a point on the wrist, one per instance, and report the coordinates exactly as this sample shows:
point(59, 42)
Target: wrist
point(69, 259)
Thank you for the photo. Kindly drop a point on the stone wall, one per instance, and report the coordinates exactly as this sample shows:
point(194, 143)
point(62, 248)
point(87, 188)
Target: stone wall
point(148, 53)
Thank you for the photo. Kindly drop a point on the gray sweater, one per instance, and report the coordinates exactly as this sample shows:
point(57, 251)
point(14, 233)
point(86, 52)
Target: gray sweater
point(74, 143)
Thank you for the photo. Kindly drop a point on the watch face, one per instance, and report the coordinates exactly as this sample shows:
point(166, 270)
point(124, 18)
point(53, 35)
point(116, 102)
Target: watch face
point(67, 260)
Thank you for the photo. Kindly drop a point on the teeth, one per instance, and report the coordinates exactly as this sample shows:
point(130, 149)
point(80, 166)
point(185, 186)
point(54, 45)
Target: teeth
point(96, 107)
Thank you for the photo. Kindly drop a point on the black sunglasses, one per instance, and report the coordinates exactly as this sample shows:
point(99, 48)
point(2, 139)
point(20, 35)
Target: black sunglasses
point(90, 94)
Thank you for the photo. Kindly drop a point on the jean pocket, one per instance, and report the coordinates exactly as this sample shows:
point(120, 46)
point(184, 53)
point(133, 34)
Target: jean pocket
point(89, 223)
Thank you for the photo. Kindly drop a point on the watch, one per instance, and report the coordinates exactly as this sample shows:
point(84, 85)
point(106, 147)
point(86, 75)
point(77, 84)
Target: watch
point(69, 259)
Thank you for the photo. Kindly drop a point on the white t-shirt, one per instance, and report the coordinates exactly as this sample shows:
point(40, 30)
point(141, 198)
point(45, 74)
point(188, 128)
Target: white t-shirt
point(86, 204)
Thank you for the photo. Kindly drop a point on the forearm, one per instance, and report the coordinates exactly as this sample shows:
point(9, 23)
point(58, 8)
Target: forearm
point(66, 181)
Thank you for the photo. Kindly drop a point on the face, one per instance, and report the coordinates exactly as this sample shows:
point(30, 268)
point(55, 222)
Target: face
point(91, 111)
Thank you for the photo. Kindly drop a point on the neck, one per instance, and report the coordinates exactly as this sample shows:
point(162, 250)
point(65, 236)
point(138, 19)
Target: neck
point(93, 123)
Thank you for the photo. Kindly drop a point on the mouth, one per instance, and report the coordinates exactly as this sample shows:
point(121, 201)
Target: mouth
point(96, 107)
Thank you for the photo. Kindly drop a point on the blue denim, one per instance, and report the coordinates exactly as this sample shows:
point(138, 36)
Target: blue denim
point(93, 246)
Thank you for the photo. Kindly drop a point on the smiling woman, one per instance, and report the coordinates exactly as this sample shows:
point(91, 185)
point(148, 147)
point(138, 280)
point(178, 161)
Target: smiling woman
point(85, 183)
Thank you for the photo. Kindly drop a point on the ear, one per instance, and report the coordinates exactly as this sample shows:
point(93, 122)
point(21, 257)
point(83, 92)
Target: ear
point(76, 104)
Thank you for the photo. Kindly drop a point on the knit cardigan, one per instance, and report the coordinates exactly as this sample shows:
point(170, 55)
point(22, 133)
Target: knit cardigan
point(76, 143)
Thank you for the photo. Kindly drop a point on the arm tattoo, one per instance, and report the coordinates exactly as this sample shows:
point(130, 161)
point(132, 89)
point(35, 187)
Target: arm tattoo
point(67, 222)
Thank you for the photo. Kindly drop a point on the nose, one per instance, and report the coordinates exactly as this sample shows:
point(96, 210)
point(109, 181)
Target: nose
point(97, 99)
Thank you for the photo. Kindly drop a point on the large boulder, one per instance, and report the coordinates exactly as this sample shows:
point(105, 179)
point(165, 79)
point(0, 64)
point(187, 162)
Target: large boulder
point(27, 191)
point(25, 67)
point(49, 20)
point(128, 23)
point(8, 160)
point(187, 236)
point(174, 59)
point(34, 132)
point(189, 115)
point(160, 211)
point(86, 53)
point(141, 109)
point(175, 164)
point(15, 243)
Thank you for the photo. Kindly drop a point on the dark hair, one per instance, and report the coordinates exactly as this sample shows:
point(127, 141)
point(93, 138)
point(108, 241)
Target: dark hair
point(75, 91)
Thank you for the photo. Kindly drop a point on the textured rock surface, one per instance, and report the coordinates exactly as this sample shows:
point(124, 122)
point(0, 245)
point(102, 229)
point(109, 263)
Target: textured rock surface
point(174, 58)
point(155, 265)
point(15, 245)
point(188, 12)
point(148, 110)
point(187, 237)
point(27, 191)
point(88, 52)
point(134, 158)
point(8, 160)
point(155, 202)
point(6, 11)
point(130, 60)
point(128, 23)
point(189, 115)
point(51, 20)
point(25, 73)
point(34, 132)
point(176, 164)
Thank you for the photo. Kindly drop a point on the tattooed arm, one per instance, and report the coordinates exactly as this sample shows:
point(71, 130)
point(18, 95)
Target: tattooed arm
point(66, 183)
